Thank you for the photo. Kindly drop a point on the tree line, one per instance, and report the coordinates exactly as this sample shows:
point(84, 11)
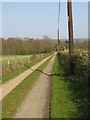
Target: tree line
point(17, 46)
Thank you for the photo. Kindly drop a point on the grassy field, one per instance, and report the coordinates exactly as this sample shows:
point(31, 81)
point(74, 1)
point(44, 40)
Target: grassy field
point(13, 62)
point(69, 96)
point(13, 59)
point(10, 103)
point(17, 71)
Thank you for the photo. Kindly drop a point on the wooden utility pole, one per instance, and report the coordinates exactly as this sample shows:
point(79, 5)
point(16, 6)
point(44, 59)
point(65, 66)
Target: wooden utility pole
point(58, 39)
point(58, 27)
point(70, 27)
point(70, 31)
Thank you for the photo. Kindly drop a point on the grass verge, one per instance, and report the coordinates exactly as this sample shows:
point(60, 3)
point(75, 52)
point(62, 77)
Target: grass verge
point(68, 99)
point(13, 100)
point(18, 71)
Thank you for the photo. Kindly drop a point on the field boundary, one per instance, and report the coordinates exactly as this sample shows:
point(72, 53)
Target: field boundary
point(21, 91)
point(9, 86)
point(20, 70)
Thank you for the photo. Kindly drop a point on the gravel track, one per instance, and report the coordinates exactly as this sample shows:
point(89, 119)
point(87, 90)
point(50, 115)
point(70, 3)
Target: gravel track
point(36, 104)
point(6, 88)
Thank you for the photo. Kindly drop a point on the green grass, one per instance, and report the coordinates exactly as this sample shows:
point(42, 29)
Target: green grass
point(13, 100)
point(18, 71)
point(67, 99)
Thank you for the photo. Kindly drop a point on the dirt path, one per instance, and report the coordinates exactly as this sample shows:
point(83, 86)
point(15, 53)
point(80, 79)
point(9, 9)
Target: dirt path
point(36, 103)
point(10, 85)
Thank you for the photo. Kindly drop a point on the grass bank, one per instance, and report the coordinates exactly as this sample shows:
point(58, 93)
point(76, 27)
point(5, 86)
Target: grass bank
point(13, 100)
point(68, 95)
point(20, 70)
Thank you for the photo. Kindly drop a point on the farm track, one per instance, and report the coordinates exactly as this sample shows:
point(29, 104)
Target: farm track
point(6, 88)
point(36, 103)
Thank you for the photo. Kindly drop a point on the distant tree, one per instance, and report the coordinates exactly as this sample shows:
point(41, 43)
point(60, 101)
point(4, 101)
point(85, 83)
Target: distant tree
point(16, 46)
point(67, 44)
point(66, 41)
point(45, 37)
